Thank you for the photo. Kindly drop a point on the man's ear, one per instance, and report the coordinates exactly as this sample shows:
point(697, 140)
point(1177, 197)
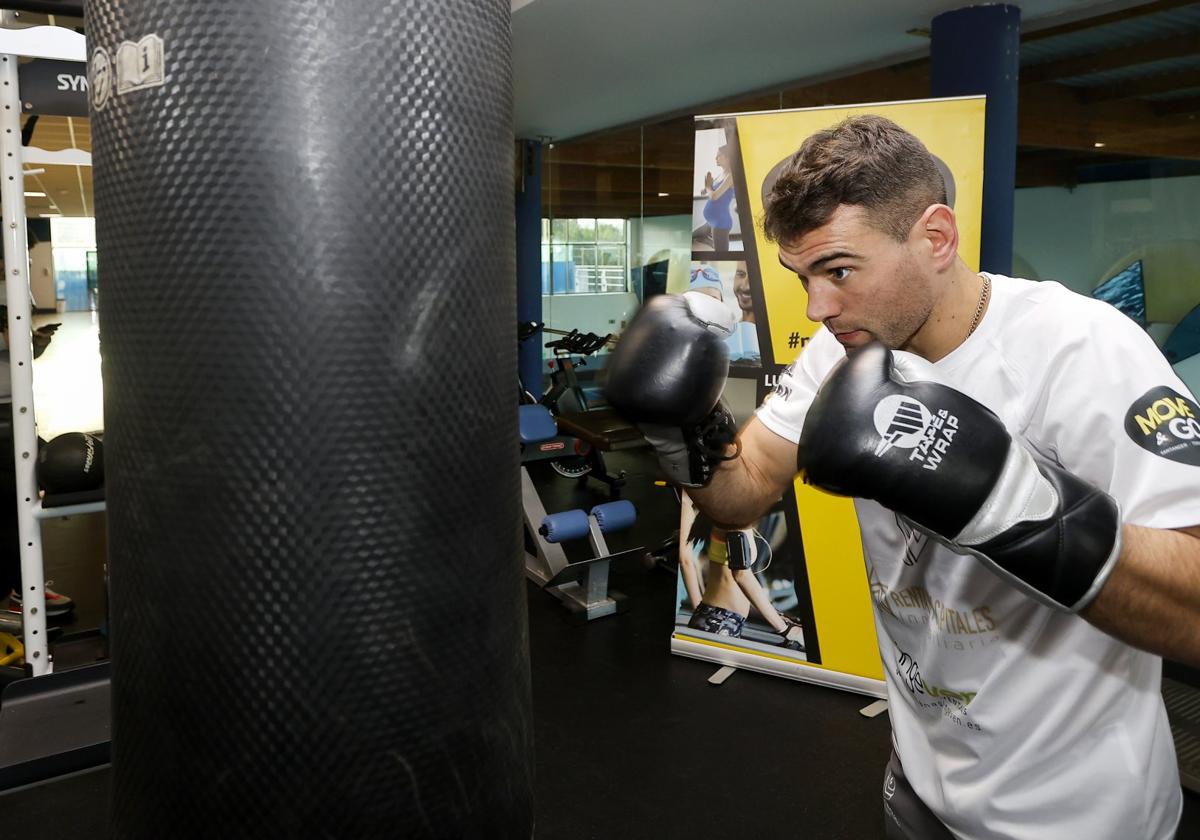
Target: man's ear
point(938, 229)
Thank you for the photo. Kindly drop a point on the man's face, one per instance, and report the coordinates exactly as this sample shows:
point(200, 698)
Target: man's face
point(861, 283)
point(741, 288)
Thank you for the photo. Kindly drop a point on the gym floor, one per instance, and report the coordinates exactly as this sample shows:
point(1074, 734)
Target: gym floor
point(634, 742)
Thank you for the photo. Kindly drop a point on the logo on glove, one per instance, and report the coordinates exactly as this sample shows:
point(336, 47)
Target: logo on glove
point(906, 423)
point(901, 421)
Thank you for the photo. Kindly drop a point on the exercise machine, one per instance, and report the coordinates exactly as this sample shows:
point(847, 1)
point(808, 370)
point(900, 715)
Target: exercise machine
point(588, 433)
point(582, 585)
point(565, 394)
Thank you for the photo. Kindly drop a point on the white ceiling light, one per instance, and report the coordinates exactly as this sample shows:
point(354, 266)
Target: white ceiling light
point(34, 194)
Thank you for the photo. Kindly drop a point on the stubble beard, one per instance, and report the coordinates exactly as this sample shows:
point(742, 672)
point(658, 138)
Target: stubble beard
point(906, 319)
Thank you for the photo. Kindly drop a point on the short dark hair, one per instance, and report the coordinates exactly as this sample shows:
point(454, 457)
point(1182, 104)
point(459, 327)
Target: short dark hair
point(866, 161)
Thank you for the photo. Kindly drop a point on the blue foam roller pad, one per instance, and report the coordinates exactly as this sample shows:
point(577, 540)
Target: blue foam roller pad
point(567, 525)
point(615, 516)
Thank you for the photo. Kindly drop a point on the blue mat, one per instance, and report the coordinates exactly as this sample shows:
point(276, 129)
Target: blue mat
point(1184, 340)
point(1126, 291)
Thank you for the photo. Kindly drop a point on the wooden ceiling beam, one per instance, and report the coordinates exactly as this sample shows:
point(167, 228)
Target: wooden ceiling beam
point(1037, 167)
point(1045, 130)
point(603, 160)
point(1137, 88)
point(1143, 10)
point(1130, 55)
point(906, 81)
point(615, 209)
point(1174, 107)
point(617, 180)
point(1032, 173)
point(628, 200)
point(1053, 116)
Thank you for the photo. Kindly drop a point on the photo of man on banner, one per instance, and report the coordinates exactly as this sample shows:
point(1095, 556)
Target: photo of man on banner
point(729, 282)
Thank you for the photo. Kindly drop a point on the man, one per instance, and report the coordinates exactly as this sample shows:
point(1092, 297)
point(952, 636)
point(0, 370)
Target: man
point(743, 344)
point(1026, 474)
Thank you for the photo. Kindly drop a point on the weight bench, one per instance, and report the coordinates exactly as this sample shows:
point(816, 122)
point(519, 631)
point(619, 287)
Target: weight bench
point(582, 586)
point(603, 430)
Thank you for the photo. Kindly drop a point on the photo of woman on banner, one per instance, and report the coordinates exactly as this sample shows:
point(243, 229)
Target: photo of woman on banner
point(729, 282)
point(724, 581)
point(714, 211)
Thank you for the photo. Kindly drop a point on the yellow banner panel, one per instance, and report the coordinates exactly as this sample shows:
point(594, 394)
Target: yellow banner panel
point(952, 129)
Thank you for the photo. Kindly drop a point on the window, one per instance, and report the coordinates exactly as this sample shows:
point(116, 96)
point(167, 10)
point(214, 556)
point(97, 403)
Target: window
point(585, 256)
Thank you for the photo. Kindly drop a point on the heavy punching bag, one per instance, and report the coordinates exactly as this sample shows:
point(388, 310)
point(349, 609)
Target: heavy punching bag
point(304, 209)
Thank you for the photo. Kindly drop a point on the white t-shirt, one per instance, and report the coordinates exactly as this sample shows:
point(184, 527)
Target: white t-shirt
point(1013, 720)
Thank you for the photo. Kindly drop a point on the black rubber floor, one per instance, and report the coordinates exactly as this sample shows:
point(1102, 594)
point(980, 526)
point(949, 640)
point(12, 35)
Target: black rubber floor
point(633, 742)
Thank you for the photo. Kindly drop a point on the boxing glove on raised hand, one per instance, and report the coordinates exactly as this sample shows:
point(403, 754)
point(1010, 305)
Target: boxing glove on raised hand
point(882, 427)
point(667, 374)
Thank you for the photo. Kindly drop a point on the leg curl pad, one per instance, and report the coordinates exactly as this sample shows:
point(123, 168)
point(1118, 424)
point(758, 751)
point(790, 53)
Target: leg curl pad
point(615, 516)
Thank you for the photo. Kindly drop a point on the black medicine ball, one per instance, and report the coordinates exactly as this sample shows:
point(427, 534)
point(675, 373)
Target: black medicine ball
point(71, 463)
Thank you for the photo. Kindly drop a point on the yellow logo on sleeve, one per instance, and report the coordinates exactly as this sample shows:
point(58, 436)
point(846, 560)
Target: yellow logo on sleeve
point(1166, 423)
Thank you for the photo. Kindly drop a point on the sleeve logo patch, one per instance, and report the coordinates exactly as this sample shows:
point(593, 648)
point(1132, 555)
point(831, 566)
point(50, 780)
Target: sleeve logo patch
point(1166, 423)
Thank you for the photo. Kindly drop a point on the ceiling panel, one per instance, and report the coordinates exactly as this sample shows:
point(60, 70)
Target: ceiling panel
point(68, 188)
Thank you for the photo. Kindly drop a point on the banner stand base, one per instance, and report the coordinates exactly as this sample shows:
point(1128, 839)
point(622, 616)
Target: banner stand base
point(874, 710)
point(721, 674)
point(776, 665)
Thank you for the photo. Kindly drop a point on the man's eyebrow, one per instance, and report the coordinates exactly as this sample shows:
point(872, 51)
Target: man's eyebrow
point(836, 255)
point(816, 265)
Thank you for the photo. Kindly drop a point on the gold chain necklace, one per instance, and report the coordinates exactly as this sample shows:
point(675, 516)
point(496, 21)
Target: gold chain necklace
point(983, 297)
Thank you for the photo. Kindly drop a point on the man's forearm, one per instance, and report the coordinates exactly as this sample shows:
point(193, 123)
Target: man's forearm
point(1152, 598)
point(737, 496)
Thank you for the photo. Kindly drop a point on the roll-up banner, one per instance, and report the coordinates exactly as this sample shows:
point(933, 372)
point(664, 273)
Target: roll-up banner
point(805, 612)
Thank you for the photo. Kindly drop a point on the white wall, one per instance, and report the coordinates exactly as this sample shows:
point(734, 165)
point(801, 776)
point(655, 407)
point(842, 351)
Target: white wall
point(1075, 235)
point(652, 234)
point(41, 275)
point(599, 314)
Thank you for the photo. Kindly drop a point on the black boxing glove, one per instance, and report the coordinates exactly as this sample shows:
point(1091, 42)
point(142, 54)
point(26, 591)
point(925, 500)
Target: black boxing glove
point(882, 427)
point(690, 455)
point(666, 375)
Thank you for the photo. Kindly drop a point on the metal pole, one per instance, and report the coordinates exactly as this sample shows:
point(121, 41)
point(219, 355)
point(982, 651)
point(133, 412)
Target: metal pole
point(529, 260)
point(20, 350)
point(977, 50)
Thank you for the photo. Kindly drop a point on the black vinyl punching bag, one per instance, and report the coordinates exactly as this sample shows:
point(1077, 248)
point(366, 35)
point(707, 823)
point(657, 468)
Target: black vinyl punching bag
point(304, 220)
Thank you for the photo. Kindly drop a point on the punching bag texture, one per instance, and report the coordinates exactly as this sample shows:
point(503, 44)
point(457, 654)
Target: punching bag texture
point(304, 220)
